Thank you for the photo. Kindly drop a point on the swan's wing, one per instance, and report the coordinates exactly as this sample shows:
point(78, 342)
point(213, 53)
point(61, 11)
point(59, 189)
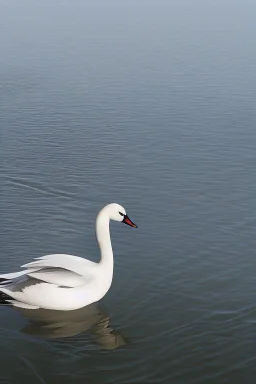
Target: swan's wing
point(74, 264)
point(58, 269)
point(60, 277)
point(57, 276)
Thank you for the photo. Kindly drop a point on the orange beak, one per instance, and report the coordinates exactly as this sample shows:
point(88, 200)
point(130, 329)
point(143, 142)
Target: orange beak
point(128, 221)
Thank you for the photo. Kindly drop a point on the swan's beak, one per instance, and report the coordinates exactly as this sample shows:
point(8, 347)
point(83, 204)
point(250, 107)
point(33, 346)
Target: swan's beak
point(128, 221)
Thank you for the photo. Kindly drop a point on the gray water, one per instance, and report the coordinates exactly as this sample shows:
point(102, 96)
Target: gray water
point(150, 104)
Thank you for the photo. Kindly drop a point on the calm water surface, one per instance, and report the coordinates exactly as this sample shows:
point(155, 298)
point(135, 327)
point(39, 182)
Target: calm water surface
point(151, 105)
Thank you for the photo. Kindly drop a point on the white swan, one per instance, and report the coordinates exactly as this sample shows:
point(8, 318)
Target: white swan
point(66, 282)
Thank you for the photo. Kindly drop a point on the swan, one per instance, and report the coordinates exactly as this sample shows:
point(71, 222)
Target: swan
point(66, 282)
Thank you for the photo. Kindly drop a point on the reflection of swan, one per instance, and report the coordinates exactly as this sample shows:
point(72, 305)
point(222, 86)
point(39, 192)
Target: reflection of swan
point(58, 324)
point(65, 282)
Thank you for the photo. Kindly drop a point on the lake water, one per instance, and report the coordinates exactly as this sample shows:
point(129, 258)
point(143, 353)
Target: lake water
point(150, 104)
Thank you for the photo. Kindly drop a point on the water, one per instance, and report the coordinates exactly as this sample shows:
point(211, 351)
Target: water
point(151, 105)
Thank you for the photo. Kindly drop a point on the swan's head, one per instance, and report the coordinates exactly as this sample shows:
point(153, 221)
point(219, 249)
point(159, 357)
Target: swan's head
point(117, 213)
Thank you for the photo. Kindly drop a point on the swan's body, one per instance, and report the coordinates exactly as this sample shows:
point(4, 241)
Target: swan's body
point(66, 282)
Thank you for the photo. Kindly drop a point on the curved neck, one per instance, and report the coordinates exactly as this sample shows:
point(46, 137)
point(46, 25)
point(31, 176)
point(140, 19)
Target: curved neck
point(104, 241)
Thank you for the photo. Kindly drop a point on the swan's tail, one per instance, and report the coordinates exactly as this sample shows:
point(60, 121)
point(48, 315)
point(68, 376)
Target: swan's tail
point(4, 299)
point(9, 281)
point(8, 300)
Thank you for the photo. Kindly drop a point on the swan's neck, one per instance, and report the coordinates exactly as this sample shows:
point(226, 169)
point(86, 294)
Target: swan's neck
point(104, 241)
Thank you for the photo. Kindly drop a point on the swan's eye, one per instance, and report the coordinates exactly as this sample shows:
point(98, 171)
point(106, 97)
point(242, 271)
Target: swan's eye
point(120, 213)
